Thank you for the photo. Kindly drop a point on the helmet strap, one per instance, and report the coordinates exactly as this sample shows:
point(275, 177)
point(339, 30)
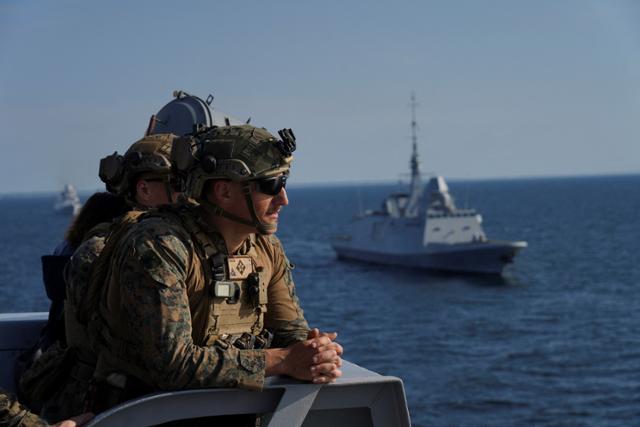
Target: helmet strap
point(168, 190)
point(263, 228)
point(216, 210)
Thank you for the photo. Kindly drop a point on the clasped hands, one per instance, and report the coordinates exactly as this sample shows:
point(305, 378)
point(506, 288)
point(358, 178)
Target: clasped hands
point(327, 361)
point(317, 359)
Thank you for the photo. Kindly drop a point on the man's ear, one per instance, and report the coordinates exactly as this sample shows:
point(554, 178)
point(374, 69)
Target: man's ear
point(221, 191)
point(142, 191)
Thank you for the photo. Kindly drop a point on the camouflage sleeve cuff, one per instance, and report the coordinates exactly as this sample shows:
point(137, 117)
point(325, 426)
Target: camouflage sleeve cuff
point(253, 362)
point(241, 368)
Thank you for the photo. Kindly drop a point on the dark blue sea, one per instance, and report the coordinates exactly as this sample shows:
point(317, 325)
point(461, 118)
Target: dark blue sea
point(555, 341)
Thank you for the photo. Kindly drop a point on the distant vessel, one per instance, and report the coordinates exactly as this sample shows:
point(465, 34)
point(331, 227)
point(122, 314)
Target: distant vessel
point(68, 202)
point(424, 229)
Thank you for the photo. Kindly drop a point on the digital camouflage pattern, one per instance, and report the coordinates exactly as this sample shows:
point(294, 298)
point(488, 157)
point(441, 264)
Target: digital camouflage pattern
point(69, 399)
point(59, 381)
point(156, 317)
point(77, 274)
point(13, 414)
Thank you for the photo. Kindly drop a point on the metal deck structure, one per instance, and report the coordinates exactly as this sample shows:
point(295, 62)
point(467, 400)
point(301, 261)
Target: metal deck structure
point(359, 398)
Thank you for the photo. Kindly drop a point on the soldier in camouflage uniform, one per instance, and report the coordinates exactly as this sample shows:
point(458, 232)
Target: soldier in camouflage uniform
point(13, 414)
point(194, 293)
point(142, 177)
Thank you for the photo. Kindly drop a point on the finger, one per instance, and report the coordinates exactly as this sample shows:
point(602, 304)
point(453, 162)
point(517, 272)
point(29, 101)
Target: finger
point(331, 335)
point(323, 369)
point(336, 373)
point(313, 333)
point(332, 346)
point(76, 421)
point(336, 361)
point(322, 380)
point(324, 356)
point(319, 380)
point(320, 341)
point(83, 418)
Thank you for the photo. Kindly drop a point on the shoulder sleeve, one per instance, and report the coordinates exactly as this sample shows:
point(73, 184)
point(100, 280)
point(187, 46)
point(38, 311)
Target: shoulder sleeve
point(153, 275)
point(284, 317)
point(78, 270)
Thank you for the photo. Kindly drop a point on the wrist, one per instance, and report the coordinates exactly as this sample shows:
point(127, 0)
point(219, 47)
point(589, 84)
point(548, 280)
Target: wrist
point(275, 361)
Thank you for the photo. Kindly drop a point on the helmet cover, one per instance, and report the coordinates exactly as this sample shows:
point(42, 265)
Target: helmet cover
point(148, 157)
point(238, 153)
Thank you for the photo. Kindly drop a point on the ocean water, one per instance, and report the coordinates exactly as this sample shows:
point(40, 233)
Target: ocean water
point(555, 341)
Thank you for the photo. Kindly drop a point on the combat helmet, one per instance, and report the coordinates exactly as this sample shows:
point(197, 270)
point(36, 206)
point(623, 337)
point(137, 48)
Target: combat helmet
point(243, 154)
point(148, 158)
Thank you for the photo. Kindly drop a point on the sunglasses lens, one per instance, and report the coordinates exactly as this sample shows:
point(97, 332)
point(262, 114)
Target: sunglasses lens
point(271, 186)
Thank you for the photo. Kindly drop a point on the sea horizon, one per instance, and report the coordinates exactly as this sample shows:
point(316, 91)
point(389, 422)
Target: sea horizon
point(85, 192)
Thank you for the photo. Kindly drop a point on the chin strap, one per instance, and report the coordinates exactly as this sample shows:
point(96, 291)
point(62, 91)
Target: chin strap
point(168, 190)
point(261, 227)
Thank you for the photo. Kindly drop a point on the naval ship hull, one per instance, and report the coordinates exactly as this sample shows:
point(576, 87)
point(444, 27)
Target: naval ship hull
point(489, 257)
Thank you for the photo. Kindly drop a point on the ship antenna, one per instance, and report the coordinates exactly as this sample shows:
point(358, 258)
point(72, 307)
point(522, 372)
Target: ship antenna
point(416, 184)
point(415, 167)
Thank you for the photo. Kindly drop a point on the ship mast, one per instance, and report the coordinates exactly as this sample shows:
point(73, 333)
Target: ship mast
point(416, 182)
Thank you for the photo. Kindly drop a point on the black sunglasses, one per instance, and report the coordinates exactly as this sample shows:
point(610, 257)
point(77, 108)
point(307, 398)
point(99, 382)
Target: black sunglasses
point(271, 186)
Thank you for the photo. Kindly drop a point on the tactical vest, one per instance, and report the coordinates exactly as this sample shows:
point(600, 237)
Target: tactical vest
point(235, 292)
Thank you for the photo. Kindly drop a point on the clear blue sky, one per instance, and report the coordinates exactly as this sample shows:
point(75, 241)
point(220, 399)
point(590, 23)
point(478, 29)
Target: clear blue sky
point(506, 88)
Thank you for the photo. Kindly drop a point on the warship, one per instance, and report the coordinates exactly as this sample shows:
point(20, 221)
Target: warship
point(423, 228)
point(68, 202)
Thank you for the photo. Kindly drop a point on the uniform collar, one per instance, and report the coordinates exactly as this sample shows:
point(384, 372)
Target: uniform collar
point(247, 245)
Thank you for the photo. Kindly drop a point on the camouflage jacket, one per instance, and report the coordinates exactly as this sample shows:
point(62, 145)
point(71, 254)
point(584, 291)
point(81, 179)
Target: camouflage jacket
point(67, 372)
point(154, 313)
point(77, 275)
point(13, 414)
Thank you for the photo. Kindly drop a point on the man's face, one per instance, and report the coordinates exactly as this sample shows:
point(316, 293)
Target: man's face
point(267, 207)
point(153, 192)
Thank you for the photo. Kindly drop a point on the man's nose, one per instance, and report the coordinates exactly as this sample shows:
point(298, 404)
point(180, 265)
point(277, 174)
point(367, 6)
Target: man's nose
point(282, 198)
